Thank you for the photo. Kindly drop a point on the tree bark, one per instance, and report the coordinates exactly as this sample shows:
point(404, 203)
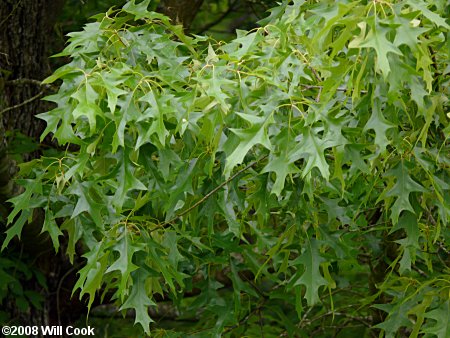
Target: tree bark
point(26, 36)
point(181, 12)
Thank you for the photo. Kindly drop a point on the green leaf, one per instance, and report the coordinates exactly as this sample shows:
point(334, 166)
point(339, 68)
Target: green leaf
point(171, 243)
point(433, 17)
point(82, 42)
point(441, 325)
point(126, 179)
point(22, 201)
point(52, 228)
point(64, 133)
point(126, 249)
point(139, 10)
point(110, 81)
point(249, 137)
point(407, 34)
point(212, 84)
point(379, 124)
point(86, 106)
point(403, 187)
point(156, 111)
point(419, 312)
point(16, 228)
point(91, 275)
point(311, 148)
point(280, 163)
point(376, 39)
point(397, 317)
point(85, 201)
point(77, 168)
point(311, 277)
point(342, 106)
point(243, 44)
point(75, 231)
point(182, 186)
point(282, 166)
point(139, 300)
point(61, 72)
point(408, 222)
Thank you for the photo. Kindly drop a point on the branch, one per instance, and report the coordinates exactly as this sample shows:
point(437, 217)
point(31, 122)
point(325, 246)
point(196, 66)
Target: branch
point(23, 81)
point(366, 321)
point(208, 195)
point(257, 309)
point(11, 13)
point(339, 89)
point(31, 99)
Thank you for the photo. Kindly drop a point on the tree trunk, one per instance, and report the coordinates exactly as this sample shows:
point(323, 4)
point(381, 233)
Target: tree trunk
point(26, 35)
point(181, 11)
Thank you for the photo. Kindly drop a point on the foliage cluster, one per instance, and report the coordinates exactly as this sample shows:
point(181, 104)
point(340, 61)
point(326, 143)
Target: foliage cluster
point(297, 174)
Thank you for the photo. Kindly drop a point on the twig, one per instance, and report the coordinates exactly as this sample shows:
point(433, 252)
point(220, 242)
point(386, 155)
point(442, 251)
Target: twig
point(339, 89)
point(364, 320)
point(315, 74)
point(208, 195)
point(58, 311)
point(31, 99)
point(244, 319)
point(11, 13)
point(419, 271)
point(443, 248)
point(318, 95)
point(261, 323)
point(24, 81)
point(304, 318)
point(430, 217)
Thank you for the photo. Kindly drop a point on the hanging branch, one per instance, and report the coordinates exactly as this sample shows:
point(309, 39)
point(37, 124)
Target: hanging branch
point(25, 81)
point(208, 195)
point(339, 89)
point(31, 99)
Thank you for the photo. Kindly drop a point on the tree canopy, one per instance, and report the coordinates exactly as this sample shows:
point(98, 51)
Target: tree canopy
point(292, 181)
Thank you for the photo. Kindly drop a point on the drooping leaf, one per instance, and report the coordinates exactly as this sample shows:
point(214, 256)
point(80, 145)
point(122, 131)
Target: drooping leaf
point(91, 275)
point(280, 164)
point(397, 317)
point(380, 125)
point(85, 201)
point(376, 39)
point(248, 137)
point(126, 180)
point(52, 228)
point(441, 325)
point(139, 301)
point(311, 277)
point(402, 189)
point(87, 106)
point(16, 228)
point(138, 9)
point(311, 148)
point(126, 249)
